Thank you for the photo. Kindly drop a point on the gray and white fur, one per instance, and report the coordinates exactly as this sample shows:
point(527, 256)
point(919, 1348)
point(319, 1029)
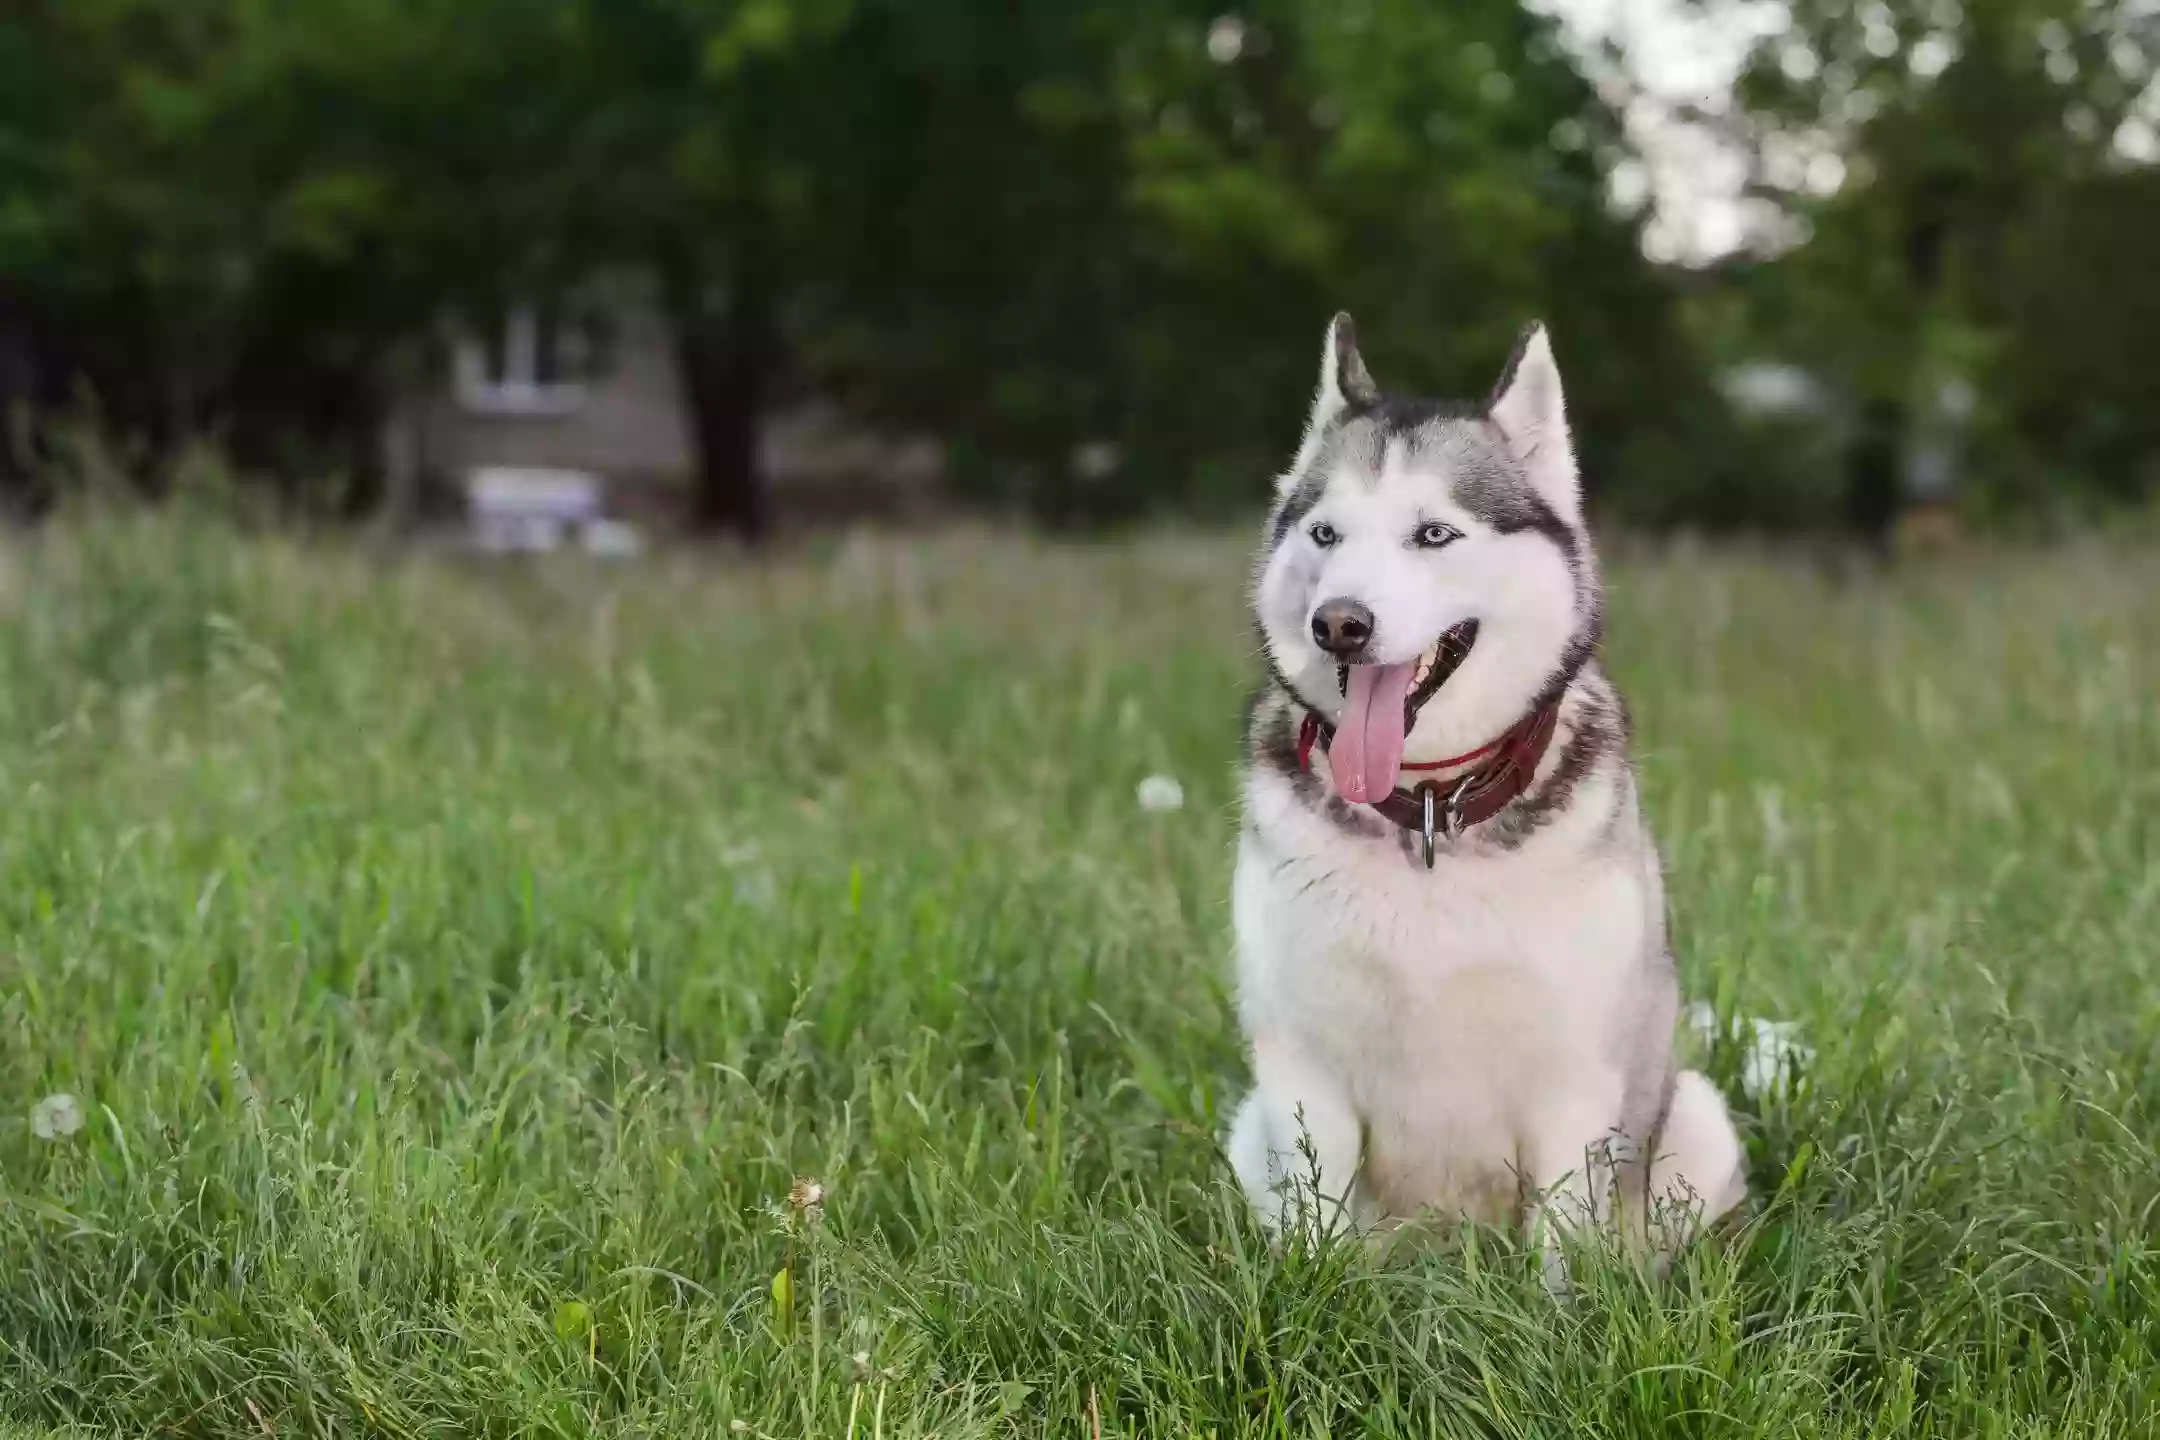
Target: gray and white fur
point(1491, 1038)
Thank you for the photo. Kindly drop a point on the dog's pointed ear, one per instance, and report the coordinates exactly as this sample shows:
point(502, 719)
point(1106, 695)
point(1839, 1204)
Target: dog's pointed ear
point(1345, 386)
point(1345, 383)
point(1530, 412)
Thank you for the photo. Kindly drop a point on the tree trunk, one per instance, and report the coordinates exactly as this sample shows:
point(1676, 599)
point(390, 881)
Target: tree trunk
point(18, 400)
point(1875, 468)
point(28, 382)
point(1874, 473)
point(726, 353)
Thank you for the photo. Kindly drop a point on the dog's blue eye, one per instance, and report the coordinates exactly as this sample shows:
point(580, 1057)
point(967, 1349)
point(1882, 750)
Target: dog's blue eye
point(1433, 534)
point(1323, 534)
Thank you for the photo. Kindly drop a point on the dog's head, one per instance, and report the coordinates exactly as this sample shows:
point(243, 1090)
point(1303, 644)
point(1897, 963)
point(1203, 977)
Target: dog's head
point(1427, 577)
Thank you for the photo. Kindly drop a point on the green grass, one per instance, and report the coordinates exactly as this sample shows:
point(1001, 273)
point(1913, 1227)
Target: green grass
point(457, 965)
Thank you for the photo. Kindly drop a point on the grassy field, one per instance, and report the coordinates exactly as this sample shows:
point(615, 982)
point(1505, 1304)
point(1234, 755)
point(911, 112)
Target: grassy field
point(457, 967)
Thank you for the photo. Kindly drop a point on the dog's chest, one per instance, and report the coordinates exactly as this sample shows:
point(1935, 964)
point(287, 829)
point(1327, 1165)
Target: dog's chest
point(1496, 954)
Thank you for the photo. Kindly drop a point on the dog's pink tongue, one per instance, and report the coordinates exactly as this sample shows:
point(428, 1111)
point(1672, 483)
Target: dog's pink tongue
point(1367, 752)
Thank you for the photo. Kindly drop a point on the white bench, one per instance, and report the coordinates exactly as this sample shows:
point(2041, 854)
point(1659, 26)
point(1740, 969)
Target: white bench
point(528, 509)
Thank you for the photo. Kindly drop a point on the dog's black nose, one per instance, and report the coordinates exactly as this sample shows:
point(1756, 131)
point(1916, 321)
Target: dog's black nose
point(1342, 627)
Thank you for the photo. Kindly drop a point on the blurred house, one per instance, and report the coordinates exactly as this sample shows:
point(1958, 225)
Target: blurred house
point(551, 399)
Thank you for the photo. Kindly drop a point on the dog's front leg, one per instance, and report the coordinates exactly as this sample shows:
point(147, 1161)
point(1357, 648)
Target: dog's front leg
point(1573, 1151)
point(1296, 1142)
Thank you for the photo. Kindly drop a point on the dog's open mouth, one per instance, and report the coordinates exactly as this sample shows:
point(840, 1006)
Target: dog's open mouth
point(1430, 671)
point(1380, 706)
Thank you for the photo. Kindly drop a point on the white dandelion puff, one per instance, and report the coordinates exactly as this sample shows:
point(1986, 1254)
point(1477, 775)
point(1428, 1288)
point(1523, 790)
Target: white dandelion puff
point(1159, 793)
point(56, 1117)
point(1775, 1061)
point(1775, 1057)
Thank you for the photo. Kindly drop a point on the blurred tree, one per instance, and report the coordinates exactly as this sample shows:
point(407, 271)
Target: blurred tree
point(89, 226)
point(1092, 245)
point(1437, 170)
point(28, 369)
point(227, 215)
point(1971, 179)
point(704, 154)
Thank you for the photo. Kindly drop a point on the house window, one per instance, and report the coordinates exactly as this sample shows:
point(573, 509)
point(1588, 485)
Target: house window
point(535, 360)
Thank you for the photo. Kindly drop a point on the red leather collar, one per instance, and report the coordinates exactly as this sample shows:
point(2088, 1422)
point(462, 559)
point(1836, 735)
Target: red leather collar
point(1453, 806)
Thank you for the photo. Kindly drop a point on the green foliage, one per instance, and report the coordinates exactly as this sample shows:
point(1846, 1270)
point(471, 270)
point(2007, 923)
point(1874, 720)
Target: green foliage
point(1396, 160)
point(1985, 227)
point(238, 214)
point(1024, 228)
point(455, 970)
point(1113, 228)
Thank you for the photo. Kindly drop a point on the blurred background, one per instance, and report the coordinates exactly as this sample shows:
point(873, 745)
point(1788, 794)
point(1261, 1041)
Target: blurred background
point(721, 993)
point(551, 271)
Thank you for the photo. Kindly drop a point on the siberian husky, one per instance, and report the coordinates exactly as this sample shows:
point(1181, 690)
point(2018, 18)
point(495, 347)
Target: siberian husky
point(1451, 951)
